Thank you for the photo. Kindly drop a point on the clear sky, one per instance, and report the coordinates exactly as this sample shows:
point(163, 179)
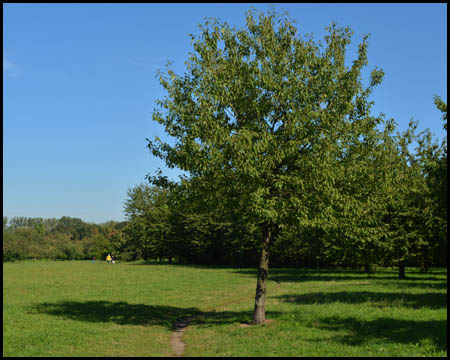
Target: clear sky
point(79, 88)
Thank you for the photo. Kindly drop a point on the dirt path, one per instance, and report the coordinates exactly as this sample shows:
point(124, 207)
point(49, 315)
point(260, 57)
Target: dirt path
point(175, 341)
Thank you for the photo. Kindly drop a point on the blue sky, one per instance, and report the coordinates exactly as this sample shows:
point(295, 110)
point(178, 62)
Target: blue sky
point(79, 88)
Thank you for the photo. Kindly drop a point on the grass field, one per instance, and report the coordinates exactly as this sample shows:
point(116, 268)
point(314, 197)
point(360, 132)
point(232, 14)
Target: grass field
point(79, 308)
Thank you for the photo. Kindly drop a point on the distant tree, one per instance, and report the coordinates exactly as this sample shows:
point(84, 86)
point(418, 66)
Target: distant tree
point(50, 224)
point(438, 171)
point(39, 227)
point(75, 228)
point(18, 221)
point(432, 159)
point(410, 214)
point(260, 122)
point(22, 243)
point(438, 182)
point(96, 245)
point(147, 211)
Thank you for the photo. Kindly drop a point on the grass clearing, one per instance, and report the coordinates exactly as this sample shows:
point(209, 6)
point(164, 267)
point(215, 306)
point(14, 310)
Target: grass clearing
point(79, 308)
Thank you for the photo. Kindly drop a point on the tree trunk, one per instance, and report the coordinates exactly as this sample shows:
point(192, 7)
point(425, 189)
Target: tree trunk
point(259, 312)
point(401, 270)
point(368, 268)
point(424, 263)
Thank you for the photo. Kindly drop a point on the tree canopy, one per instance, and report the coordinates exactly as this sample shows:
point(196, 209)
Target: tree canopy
point(274, 124)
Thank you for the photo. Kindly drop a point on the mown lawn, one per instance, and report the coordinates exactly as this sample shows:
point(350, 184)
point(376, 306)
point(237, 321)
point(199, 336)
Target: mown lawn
point(79, 308)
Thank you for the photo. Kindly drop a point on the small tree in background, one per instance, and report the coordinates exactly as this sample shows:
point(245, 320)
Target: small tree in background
point(147, 209)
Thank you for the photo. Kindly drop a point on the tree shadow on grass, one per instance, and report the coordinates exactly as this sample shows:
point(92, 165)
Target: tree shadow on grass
point(415, 301)
point(122, 313)
point(302, 275)
point(425, 333)
point(423, 285)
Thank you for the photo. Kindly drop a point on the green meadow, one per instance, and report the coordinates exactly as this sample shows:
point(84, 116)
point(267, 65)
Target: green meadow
point(79, 308)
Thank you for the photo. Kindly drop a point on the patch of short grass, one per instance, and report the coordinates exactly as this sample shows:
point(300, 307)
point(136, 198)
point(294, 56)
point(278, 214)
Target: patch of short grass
point(336, 313)
point(79, 308)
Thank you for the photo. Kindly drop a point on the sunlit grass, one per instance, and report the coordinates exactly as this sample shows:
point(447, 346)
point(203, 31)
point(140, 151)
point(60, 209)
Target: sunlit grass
point(77, 308)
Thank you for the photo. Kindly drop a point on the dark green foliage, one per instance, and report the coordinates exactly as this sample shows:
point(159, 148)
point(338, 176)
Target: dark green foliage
point(75, 228)
point(147, 234)
point(58, 239)
point(416, 215)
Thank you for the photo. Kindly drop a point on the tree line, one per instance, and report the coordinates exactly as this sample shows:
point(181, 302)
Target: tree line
point(58, 239)
point(406, 226)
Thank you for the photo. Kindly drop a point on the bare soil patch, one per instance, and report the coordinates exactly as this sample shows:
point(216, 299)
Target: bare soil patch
point(175, 341)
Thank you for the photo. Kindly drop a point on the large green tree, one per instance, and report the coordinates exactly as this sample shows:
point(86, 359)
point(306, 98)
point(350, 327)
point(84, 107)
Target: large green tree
point(260, 121)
